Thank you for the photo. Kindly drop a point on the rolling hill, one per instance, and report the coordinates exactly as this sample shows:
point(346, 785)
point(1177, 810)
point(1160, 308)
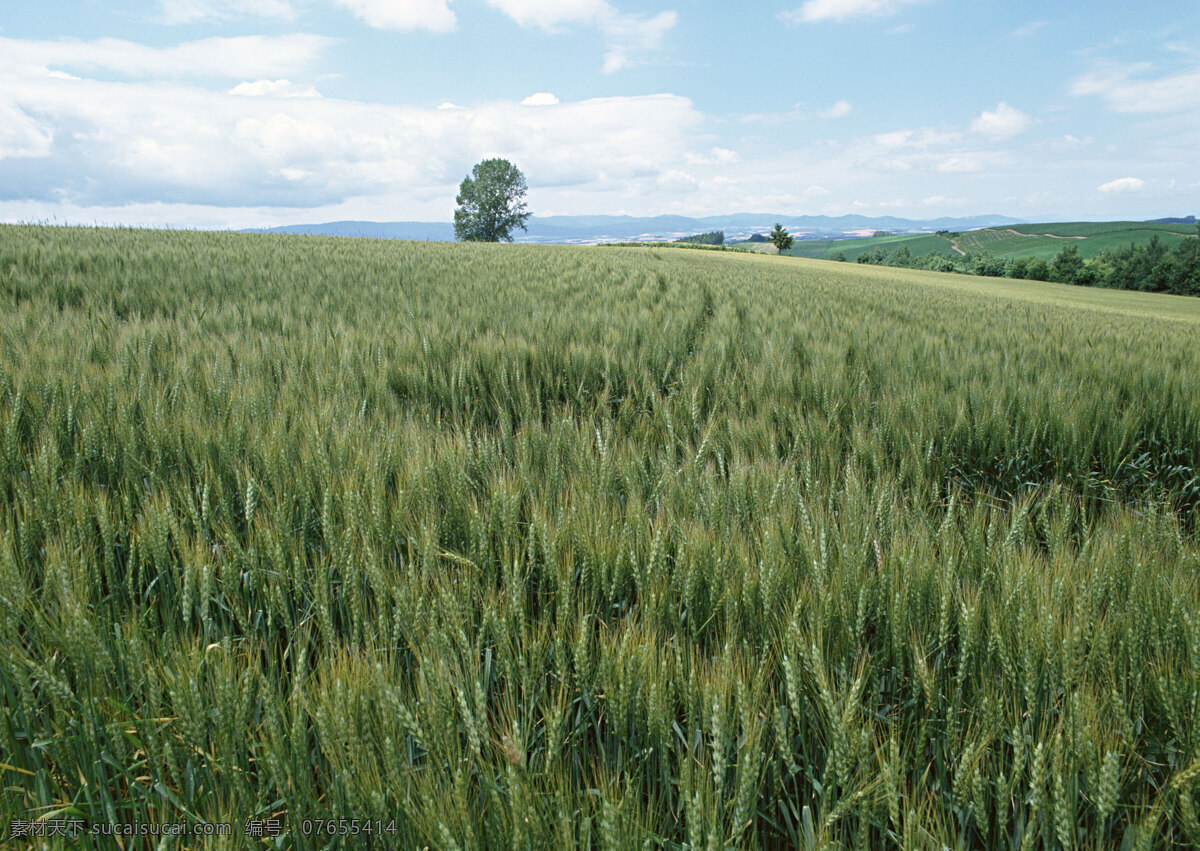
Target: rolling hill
point(1016, 240)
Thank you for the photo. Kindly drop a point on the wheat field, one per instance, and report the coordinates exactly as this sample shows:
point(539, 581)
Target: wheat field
point(533, 547)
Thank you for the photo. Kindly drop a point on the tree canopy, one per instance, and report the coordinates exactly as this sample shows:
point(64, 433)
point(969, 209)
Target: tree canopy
point(1152, 267)
point(716, 237)
point(491, 203)
point(781, 238)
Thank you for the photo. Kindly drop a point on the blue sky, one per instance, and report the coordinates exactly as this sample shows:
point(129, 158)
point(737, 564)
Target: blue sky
point(234, 113)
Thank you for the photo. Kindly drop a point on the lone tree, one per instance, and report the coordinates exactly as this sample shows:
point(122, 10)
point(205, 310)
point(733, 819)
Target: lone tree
point(491, 202)
point(781, 238)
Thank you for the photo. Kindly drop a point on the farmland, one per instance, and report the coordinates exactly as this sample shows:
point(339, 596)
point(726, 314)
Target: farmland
point(555, 546)
point(824, 249)
point(1026, 241)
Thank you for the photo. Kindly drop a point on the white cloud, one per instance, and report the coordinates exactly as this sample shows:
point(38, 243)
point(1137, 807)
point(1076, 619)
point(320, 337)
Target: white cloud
point(1124, 184)
point(924, 151)
point(633, 36)
point(717, 156)
point(1003, 122)
point(433, 15)
point(1116, 85)
point(922, 139)
point(839, 110)
point(797, 113)
point(190, 153)
point(1067, 144)
point(274, 88)
point(813, 11)
point(21, 135)
point(102, 144)
point(551, 14)
point(629, 36)
point(195, 11)
point(893, 139)
point(942, 202)
point(677, 181)
point(240, 57)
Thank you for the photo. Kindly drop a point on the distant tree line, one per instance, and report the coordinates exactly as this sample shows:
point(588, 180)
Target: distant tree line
point(1149, 268)
point(716, 237)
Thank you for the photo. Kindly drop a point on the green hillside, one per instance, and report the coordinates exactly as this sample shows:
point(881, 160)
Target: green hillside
point(824, 249)
point(1046, 240)
point(552, 547)
point(1037, 240)
point(1090, 229)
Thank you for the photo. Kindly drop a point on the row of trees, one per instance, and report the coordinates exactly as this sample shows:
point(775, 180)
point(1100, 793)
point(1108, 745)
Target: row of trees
point(716, 237)
point(1149, 268)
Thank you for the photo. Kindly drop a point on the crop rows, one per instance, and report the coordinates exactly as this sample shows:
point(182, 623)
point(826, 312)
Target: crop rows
point(530, 546)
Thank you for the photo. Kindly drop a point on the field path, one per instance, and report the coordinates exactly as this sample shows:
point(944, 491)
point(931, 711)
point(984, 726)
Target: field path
point(1051, 235)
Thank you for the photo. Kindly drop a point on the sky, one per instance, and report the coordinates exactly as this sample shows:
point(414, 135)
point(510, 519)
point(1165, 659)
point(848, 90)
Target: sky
point(250, 113)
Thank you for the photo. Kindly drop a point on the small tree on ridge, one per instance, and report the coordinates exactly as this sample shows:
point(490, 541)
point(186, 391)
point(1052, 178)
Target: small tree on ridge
point(781, 238)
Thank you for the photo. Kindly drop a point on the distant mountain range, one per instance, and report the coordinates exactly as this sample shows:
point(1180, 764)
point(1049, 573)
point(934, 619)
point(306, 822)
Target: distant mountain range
point(590, 229)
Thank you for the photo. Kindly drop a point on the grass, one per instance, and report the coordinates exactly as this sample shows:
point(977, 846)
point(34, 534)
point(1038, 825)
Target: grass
point(1090, 229)
point(1030, 241)
point(1090, 237)
point(548, 546)
point(918, 244)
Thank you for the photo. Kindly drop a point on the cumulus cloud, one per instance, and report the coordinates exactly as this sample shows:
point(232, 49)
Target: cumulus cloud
point(813, 11)
point(922, 151)
point(1117, 85)
point(21, 135)
point(240, 57)
point(1003, 122)
point(629, 36)
point(98, 143)
point(1124, 184)
point(676, 181)
point(274, 88)
point(433, 15)
point(225, 141)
